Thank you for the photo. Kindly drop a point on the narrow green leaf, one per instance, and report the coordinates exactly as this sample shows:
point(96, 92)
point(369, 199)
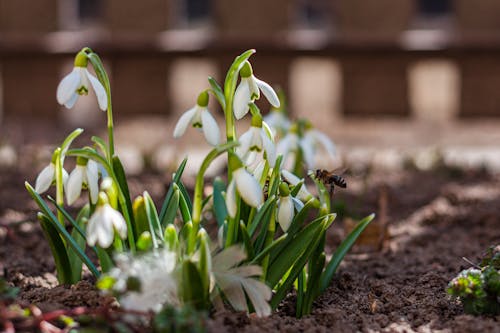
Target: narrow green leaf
point(185, 195)
point(74, 259)
point(299, 264)
point(101, 144)
point(69, 139)
point(192, 291)
point(220, 209)
point(121, 178)
point(294, 250)
point(232, 73)
point(184, 207)
point(268, 249)
point(274, 180)
point(99, 70)
point(317, 265)
point(61, 230)
point(172, 207)
point(104, 259)
point(217, 90)
point(341, 251)
point(205, 262)
point(170, 192)
point(78, 227)
point(63, 265)
point(262, 214)
point(246, 241)
point(154, 222)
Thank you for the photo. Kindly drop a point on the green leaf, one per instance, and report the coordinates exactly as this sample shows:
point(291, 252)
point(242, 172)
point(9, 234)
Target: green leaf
point(312, 289)
point(145, 241)
point(220, 209)
point(69, 139)
point(61, 230)
point(104, 259)
point(172, 207)
point(184, 207)
point(63, 265)
point(217, 90)
point(170, 192)
point(246, 240)
point(171, 238)
point(268, 249)
point(341, 251)
point(298, 265)
point(100, 72)
point(74, 259)
point(192, 286)
point(140, 216)
point(294, 250)
point(101, 144)
point(154, 222)
point(262, 215)
point(122, 184)
point(185, 195)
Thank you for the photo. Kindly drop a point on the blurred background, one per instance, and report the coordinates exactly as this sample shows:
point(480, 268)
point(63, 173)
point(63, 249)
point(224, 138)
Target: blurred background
point(385, 76)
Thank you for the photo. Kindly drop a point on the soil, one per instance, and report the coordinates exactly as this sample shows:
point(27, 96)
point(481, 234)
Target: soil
point(395, 281)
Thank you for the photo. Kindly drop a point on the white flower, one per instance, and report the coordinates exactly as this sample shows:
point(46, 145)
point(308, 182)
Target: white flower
point(286, 210)
point(309, 143)
point(154, 272)
point(248, 188)
point(84, 174)
point(46, 177)
point(103, 223)
point(256, 140)
point(235, 281)
point(199, 117)
point(303, 195)
point(249, 90)
point(76, 83)
point(278, 122)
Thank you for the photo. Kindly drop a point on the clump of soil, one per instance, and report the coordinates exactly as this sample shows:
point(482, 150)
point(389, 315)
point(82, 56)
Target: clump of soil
point(432, 220)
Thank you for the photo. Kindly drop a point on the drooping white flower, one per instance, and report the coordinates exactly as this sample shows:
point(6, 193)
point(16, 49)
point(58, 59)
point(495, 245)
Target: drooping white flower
point(287, 205)
point(246, 185)
point(103, 224)
point(47, 176)
point(157, 283)
point(76, 83)
point(199, 117)
point(277, 121)
point(303, 195)
point(307, 140)
point(86, 173)
point(249, 90)
point(257, 140)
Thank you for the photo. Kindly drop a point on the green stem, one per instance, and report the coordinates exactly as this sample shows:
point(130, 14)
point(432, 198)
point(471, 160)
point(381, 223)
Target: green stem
point(111, 141)
point(198, 189)
point(59, 184)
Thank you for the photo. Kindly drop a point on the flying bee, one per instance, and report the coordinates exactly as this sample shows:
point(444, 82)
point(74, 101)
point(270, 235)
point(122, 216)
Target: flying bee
point(330, 179)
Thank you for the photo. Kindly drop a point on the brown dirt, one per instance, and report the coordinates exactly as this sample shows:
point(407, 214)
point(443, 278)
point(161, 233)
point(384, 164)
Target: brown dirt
point(432, 219)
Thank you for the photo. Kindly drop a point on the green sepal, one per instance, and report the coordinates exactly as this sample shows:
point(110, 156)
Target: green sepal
point(217, 91)
point(220, 210)
point(341, 251)
point(58, 249)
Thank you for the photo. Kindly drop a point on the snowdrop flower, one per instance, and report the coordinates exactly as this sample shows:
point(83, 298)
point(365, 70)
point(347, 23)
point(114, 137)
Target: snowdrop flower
point(256, 139)
point(303, 195)
point(302, 136)
point(278, 121)
point(103, 223)
point(199, 117)
point(47, 176)
point(246, 185)
point(85, 173)
point(155, 281)
point(286, 207)
point(76, 83)
point(249, 90)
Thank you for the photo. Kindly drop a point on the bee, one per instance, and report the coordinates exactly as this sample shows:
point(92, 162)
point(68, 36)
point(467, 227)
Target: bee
point(330, 179)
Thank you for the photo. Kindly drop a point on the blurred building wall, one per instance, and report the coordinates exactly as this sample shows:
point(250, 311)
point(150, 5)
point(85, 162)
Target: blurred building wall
point(373, 57)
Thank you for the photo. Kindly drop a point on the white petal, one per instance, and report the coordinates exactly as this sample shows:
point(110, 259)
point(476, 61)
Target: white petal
point(304, 195)
point(118, 222)
point(244, 147)
point(308, 152)
point(74, 184)
point(67, 87)
point(325, 141)
point(210, 128)
point(269, 92)
point(254, 87)
point(241, 99)
point(104, 226)
point(270, 149)
point(258, 172)
point(93, 180)
point(256, 140)
point(231, 199)
point(102, 98)
point(184, 122)
point(71, 102)
point(45, 178)
point(297, 204)
point(285, 212)
point(248, 187)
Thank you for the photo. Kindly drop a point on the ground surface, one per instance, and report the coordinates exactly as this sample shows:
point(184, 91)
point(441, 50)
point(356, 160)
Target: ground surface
point(392, 283)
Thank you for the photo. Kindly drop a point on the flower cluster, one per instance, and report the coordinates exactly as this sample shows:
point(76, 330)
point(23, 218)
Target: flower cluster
point(151, 257)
